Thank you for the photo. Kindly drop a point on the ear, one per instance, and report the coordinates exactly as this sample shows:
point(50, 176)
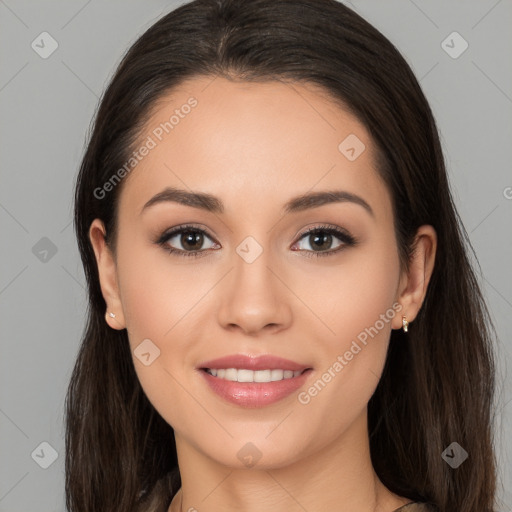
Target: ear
point(107, 271)
point(414, 283)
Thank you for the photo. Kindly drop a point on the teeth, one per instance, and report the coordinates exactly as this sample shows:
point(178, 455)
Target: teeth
point(253, 376)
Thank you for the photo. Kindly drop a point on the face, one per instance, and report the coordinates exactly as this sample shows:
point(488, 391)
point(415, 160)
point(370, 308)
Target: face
point(241, 273)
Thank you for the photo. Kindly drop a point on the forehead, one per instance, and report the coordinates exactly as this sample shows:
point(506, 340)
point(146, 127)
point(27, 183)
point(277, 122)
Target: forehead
point(252, 143)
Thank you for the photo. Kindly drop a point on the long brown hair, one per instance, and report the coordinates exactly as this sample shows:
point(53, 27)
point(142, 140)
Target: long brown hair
point(438, 382)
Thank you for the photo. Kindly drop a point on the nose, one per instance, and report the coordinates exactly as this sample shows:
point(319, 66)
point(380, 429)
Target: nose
point(253, 298)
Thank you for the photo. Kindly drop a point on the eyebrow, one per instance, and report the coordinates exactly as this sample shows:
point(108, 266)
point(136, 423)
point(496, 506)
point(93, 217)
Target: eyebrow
point(213, 204)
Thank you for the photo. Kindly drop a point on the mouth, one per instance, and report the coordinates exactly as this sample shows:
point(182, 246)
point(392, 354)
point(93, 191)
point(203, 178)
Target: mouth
point(244, 375)
point(250, 381)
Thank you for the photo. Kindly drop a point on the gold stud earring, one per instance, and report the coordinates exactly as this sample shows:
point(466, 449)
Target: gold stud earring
point(405, 324)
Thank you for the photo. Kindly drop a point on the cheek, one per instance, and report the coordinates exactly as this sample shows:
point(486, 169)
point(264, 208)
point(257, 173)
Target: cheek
point(352, 297)
point(157, 303)
point(162, 302)
point(156, 294)
point(359, 309)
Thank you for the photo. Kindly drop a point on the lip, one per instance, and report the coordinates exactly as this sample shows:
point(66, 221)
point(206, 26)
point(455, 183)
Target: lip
point(254, 394)
point(244, 362)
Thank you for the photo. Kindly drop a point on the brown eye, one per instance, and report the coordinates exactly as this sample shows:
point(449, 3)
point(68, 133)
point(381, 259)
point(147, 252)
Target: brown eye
point(321, 238)
point(191, 240)
point(186, 241)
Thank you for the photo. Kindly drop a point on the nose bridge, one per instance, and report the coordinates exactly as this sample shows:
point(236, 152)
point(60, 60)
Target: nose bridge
point(251, 266)
point(251, 298)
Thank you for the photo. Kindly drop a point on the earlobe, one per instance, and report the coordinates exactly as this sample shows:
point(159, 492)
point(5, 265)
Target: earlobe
point(107, 272)
point(414, 284)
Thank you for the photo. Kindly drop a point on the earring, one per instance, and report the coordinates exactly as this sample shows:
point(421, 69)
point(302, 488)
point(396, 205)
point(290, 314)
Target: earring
point(111, 315)
point(405, 324)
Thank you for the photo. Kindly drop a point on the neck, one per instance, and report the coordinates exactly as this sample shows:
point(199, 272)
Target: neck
point(338, 477)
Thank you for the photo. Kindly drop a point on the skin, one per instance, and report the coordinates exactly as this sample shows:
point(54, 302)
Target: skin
point(255, 146)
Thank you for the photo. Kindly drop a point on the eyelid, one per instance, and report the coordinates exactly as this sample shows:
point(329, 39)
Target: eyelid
point(346, 239)
point(342, 234)
point(329, 228)
point(168, 233)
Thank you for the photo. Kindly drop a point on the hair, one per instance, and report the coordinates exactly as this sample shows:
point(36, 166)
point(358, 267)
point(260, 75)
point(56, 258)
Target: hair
point(438, 381)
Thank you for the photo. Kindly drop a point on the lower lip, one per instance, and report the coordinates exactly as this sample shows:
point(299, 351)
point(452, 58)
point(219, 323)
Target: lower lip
point(255, 394)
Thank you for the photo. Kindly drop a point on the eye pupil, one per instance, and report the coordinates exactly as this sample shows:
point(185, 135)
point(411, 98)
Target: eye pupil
point(192, 240)
point(317, 238)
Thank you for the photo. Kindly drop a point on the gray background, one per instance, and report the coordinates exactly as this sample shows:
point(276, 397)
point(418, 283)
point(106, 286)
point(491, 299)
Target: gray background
point(47, 105)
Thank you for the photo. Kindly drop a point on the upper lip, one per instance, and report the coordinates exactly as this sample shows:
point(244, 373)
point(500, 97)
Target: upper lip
point(263, 362)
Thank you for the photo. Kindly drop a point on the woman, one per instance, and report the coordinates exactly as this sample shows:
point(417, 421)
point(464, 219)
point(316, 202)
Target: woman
point(283, 315)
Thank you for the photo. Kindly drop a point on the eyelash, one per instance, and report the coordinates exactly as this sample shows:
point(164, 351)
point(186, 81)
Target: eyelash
point(347, 239)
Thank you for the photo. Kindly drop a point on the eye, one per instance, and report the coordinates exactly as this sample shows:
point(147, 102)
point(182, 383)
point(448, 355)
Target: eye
point(190, 240)
point(322, 237)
